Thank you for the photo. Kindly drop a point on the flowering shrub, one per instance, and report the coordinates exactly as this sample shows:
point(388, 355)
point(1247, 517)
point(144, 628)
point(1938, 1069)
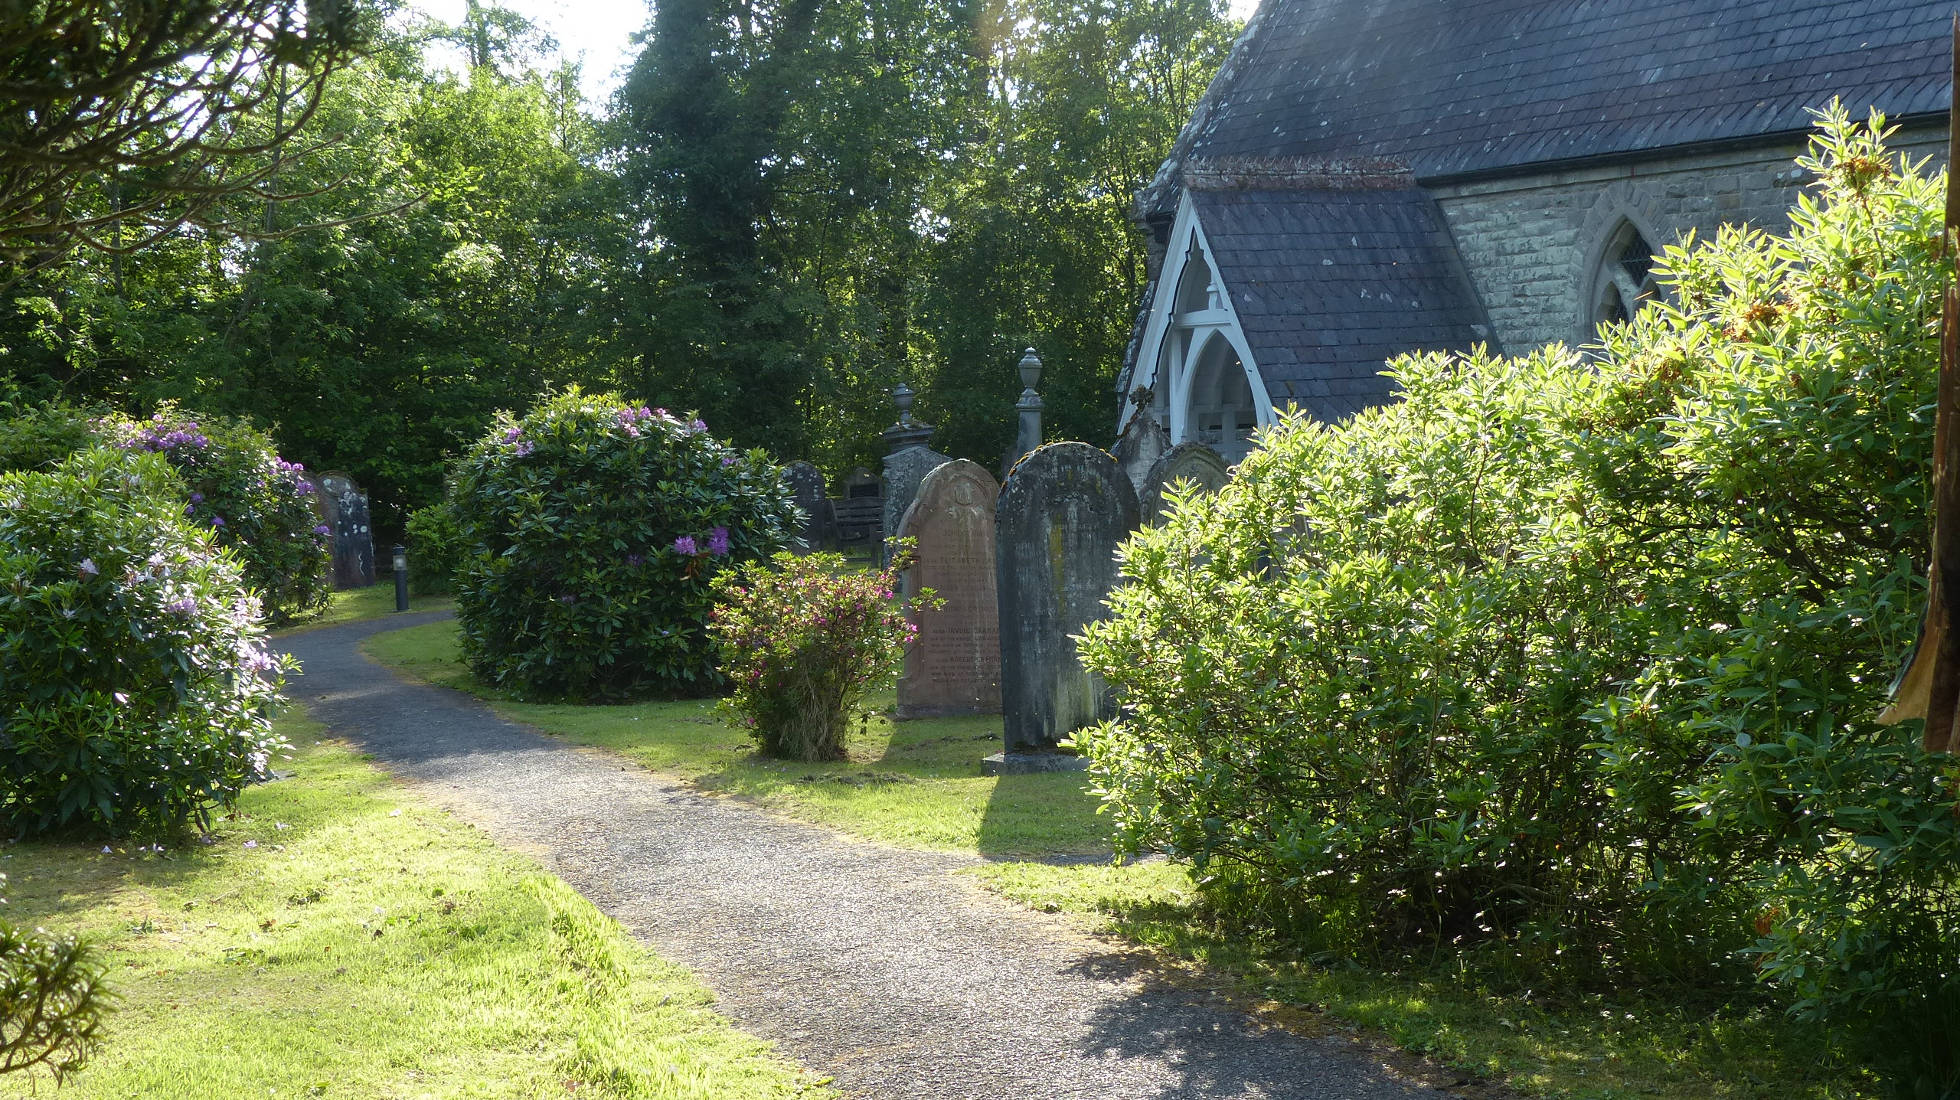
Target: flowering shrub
point(51, 1000)
point(1581, 659)
point(590, 532)
point(135, 684)
point(800, 640)
point(256, 503)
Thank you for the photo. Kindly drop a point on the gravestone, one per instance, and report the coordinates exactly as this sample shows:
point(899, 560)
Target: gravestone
point(1194, 462)
point(953, 666)
point(904, 470)
point(343, 508)
point(806, 486)
point(1062, 513)
point(1142, 443)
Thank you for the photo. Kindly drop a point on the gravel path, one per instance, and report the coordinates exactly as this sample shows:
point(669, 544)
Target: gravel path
point(871, 964)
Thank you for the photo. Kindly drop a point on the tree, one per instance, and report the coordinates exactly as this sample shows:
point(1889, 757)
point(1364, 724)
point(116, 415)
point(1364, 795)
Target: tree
point(122, 123)
point(842, 197)
point(1034, 246)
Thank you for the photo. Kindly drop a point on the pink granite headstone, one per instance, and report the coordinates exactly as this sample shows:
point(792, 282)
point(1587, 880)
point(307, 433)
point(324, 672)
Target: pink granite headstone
point(953, 666)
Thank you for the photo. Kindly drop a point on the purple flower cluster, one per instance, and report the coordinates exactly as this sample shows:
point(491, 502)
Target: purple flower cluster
point(160, 435)
point(718, 546)
point(630, 419)
point(292, 471)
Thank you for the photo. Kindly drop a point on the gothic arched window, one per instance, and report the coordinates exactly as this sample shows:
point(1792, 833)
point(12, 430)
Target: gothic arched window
point(1624, 279)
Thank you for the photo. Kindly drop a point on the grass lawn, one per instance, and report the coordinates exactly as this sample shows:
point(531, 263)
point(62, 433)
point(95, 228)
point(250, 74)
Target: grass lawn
point(909, 783)
point(373, 602)
point(918, 784)
point(341, 939)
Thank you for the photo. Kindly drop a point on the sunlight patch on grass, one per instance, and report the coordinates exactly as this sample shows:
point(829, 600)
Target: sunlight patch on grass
point(355, 605)
point(915, 784)
point(340, 939)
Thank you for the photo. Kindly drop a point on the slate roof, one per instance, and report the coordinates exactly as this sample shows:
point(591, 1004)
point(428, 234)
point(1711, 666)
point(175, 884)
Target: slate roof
point(1458, 87)
point(1328, 283)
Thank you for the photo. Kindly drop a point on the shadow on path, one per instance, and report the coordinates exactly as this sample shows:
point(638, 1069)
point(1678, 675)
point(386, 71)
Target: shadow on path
point(872, 964)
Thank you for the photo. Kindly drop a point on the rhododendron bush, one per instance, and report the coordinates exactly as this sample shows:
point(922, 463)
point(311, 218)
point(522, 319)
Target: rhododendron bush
point(231, 481)
point(136, 687)
point(588, 533)
point(252, 500)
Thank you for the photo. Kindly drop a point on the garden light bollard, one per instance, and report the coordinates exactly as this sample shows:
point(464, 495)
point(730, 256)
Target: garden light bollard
point(401, 577)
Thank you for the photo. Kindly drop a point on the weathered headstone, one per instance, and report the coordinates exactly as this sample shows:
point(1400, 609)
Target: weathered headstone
point(907, 461)
point(1142, 442)
point(344, 509)
point(1061, 515)
point(806, 486)
point(953, 666)
point(904, 470)
point(1194, 462)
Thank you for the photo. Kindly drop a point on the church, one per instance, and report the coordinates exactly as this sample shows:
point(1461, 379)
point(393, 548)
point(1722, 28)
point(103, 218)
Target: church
point(1365, 178)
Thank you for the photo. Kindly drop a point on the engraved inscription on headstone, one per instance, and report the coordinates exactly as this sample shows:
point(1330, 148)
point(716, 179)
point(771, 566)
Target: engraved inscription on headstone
point(806, 486)
point(1062, 513)
point(1193, 462)
point(953, 666)
point(1142, 442)
point(344, 509)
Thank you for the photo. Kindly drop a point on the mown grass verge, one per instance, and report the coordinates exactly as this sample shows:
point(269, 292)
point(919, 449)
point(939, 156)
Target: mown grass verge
point(376, 601)
point(338, 938)
point(917, 784)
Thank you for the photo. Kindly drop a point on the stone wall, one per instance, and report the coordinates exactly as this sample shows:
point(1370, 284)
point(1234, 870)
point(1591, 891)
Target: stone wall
point(1533, 243)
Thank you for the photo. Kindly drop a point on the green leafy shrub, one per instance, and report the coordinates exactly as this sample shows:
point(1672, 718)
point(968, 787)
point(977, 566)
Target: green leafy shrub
point(1581, 659)
point(51, 1001)
point(256, 503)
point(39, 437)
point(801, 638)
point(591, 531)
point(1335, 675)
point(435, 549)
point(135, 685)
point(1767, 445)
